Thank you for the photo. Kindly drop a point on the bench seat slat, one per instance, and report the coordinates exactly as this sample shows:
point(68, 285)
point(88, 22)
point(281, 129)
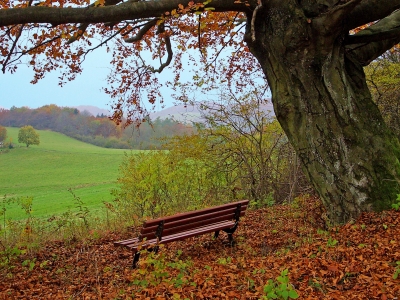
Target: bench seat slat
point(134, 243)
point(126, 242)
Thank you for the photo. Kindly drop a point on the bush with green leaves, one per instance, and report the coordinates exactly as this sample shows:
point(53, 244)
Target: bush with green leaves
point(25, 235)
point(280, 288)
point(157, 183)
point(396, 205)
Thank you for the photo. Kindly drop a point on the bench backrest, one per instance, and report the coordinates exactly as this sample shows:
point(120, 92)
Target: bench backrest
point(194, 219)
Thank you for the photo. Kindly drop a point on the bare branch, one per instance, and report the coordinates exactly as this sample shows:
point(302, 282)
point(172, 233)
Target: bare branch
point(142, 31)
point(161, 29)
point(34, 48)
point(12, 48)
point(225, 44)
point(104, 42)
point(199, 36)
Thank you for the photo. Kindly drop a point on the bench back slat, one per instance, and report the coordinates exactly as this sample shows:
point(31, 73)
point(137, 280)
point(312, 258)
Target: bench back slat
point(192, 220)
point(188, 226)
point(195, 213)
point(227, 213)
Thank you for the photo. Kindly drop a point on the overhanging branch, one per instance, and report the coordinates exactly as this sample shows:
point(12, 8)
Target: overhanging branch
point(386, 28)
point(373, 41)
point(369, 11)
point(374, 37)
point(366, 53)
point(115, 13)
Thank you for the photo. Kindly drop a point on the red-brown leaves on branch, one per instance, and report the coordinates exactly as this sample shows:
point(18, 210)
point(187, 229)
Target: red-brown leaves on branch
point(205, 44)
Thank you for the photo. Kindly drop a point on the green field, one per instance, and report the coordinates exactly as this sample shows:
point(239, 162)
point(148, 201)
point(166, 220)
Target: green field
point(47, 171)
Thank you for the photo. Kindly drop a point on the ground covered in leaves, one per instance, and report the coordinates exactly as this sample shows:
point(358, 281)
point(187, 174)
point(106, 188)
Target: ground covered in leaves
point(356, 261)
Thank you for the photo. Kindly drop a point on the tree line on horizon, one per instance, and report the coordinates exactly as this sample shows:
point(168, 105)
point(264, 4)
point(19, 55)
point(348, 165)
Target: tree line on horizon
point(97, 130)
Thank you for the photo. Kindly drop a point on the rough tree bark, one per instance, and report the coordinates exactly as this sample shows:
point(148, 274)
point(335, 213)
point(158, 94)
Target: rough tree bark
point(322, 101)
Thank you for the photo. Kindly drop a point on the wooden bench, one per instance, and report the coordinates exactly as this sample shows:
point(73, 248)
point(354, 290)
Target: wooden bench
point(181, 226)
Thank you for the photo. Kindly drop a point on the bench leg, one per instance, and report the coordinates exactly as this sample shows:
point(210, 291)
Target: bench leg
point(135, 260)
point(230, 233)
point(230, 239)
point(216, 234)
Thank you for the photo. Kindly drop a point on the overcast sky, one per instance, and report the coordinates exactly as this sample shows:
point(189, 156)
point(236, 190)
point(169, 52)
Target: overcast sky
point(86, 89)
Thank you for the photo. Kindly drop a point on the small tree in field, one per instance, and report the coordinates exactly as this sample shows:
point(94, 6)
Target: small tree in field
point(3, 134)
point(28, 136)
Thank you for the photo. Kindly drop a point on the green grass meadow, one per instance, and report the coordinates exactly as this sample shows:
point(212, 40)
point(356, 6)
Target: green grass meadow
point(47, 171)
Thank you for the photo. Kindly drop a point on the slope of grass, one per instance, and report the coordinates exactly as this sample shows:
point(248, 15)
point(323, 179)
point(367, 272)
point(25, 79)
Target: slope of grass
point(47, 171)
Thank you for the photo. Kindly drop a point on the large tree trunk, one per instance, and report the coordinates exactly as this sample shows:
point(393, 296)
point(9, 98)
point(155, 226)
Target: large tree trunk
point(322, 102)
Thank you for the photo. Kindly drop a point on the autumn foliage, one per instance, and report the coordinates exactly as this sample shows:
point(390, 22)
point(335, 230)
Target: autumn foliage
point(356, 261)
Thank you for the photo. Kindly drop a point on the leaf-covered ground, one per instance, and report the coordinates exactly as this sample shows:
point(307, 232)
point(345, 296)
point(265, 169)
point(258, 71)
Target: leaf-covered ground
point(355, 261)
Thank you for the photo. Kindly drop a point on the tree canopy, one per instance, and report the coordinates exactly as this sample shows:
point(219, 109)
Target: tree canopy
point(28, 136)
point(59, 34)
point(311, 52)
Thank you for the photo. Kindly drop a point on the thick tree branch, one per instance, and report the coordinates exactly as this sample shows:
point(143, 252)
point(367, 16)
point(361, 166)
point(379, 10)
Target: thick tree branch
point(373, 37)
point(167, 40)
point(387, 28)
point(366, 53)
point(82, 27)
point(369, 11)
point(370, 43)
point(331, 21)
point(115, 13)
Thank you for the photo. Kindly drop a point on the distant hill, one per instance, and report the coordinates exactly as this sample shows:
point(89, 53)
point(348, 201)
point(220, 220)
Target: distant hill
point(180, 113)
point(93, 110)
point(190, 113)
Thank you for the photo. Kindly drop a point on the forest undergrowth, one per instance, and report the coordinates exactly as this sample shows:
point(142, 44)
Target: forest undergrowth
point(287, 244)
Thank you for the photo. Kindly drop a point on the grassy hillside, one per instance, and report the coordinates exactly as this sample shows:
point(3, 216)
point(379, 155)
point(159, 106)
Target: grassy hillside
point(48, 170)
